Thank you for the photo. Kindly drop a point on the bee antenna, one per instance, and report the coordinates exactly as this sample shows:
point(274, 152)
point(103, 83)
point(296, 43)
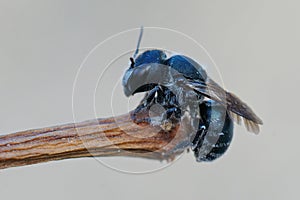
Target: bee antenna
point(139, 42)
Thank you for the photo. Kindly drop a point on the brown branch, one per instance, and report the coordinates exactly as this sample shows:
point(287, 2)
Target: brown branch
point(118, 136)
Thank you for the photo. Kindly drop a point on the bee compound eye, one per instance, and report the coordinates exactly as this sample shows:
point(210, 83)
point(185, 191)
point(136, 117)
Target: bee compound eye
point(132, 63)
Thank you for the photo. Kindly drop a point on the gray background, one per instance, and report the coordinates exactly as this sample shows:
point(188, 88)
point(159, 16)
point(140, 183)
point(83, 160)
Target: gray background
point(255, 44)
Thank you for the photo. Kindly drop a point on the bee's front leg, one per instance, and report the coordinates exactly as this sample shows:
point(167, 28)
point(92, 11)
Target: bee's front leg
point(141, 112)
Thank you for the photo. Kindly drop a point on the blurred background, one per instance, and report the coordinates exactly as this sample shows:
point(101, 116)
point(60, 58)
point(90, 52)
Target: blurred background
point(255, 45)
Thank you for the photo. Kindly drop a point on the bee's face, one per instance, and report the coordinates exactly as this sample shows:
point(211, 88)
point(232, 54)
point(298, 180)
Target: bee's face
point(140, 69)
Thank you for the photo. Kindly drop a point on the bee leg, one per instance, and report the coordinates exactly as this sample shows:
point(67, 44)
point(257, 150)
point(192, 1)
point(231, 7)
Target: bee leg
point(172, 112)
point(199, 138)
point(139, 115)
point(144, 106)
point(150, 96)
point(168, 100)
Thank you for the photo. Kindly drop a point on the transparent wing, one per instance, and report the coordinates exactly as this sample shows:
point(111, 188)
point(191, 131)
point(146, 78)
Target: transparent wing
point(236, 107)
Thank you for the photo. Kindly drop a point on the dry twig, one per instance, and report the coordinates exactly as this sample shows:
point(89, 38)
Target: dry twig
point(119, 136)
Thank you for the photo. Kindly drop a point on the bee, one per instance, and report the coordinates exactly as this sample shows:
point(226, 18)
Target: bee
point(171, 81)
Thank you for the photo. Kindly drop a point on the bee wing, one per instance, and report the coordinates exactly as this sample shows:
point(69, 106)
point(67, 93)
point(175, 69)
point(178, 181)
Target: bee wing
point(236, 107)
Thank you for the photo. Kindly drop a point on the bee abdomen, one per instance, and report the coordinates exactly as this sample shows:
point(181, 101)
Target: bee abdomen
point(217, 138)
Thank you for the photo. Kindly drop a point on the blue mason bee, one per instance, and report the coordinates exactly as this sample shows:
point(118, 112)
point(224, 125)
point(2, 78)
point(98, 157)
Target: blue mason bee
point(171, 81)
